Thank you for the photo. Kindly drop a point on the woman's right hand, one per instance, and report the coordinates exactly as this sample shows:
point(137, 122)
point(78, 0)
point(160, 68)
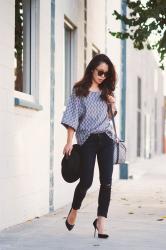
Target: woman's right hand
point(67, 149)
point(110, 99)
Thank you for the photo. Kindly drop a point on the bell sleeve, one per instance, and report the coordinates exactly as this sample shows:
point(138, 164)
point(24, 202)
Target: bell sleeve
point(70, 116)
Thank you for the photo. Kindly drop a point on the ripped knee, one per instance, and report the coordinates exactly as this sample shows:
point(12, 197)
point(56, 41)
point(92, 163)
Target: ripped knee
point(106, 186)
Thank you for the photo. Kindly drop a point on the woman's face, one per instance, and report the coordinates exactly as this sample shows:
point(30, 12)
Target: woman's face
point(100, 73)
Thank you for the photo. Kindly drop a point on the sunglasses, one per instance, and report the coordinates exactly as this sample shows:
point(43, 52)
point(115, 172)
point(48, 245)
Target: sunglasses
point(102, 73)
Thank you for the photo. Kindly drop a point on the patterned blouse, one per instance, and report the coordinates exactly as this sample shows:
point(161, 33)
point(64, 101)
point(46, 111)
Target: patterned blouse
point(87, 115)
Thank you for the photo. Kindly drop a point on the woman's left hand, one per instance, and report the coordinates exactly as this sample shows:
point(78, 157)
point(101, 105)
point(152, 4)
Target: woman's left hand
point(117, 140)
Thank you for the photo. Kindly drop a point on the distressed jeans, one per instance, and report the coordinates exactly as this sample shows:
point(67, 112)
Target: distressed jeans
point(99, 145)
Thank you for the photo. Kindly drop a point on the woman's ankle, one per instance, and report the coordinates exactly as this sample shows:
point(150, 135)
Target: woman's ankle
point(74, 210)
point(72, 216)
point(101, 224)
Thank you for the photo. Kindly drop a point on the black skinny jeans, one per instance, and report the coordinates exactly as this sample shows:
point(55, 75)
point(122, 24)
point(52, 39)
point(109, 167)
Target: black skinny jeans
point(101, 145)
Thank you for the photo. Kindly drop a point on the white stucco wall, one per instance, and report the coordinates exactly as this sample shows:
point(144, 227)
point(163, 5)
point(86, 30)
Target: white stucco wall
point(24, 133)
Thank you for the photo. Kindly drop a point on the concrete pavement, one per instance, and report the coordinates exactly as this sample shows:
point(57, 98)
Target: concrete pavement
point(137, 217)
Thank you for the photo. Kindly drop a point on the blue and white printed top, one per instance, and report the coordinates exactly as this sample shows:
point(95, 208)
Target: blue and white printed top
point(87, 115)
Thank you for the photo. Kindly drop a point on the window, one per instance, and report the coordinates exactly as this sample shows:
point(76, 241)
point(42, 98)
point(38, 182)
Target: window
point(69, 57)
point(139, 116)
point(95, 50)
point(26, 44)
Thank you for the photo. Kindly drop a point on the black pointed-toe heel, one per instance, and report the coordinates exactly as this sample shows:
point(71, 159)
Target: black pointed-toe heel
point(102, 236)
point(69, 226)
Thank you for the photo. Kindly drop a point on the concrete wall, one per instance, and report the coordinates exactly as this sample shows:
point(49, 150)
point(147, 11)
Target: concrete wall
point(63, 191)
point(24, 133)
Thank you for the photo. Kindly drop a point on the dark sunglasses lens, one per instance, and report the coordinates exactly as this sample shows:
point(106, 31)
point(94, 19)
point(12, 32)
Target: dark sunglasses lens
point(101, 73)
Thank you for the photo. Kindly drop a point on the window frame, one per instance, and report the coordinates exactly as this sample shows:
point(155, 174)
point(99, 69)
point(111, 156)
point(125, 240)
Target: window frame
point(95, 50)
point(31, 55)
point(73, 34)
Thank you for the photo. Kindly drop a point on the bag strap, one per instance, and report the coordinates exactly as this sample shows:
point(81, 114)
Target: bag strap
point(113, 120)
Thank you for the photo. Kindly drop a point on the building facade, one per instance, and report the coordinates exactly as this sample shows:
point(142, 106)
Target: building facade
point(145, 106)
point(45, 47)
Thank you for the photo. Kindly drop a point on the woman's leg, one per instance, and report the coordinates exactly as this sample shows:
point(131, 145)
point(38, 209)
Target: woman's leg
point(105, 162)
point(88, 156)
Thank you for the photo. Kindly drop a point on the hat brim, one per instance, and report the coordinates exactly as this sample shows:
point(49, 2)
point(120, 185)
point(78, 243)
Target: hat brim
point(70, 165)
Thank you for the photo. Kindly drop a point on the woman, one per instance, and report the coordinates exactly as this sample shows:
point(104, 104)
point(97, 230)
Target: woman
point(88, 115)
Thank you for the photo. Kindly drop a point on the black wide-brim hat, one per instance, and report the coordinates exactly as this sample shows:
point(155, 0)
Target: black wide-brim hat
point(70, 165)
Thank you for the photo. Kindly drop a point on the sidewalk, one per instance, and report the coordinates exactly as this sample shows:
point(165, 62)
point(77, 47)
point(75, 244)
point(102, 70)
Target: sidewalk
point(137, 218)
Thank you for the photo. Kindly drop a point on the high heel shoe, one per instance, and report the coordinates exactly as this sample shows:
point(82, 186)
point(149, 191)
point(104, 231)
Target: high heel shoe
point(69, 226)
point(103, 236)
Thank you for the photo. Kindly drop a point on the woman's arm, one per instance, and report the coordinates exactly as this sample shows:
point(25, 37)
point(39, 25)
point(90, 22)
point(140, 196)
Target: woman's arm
point(111, 101)
point(69, 145)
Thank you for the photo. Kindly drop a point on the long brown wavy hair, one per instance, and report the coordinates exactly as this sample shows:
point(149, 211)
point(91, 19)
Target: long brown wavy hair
point(107, 86)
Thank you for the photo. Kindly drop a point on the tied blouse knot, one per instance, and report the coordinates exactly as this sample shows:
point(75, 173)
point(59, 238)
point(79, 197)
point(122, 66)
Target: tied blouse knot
point(87, 115)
